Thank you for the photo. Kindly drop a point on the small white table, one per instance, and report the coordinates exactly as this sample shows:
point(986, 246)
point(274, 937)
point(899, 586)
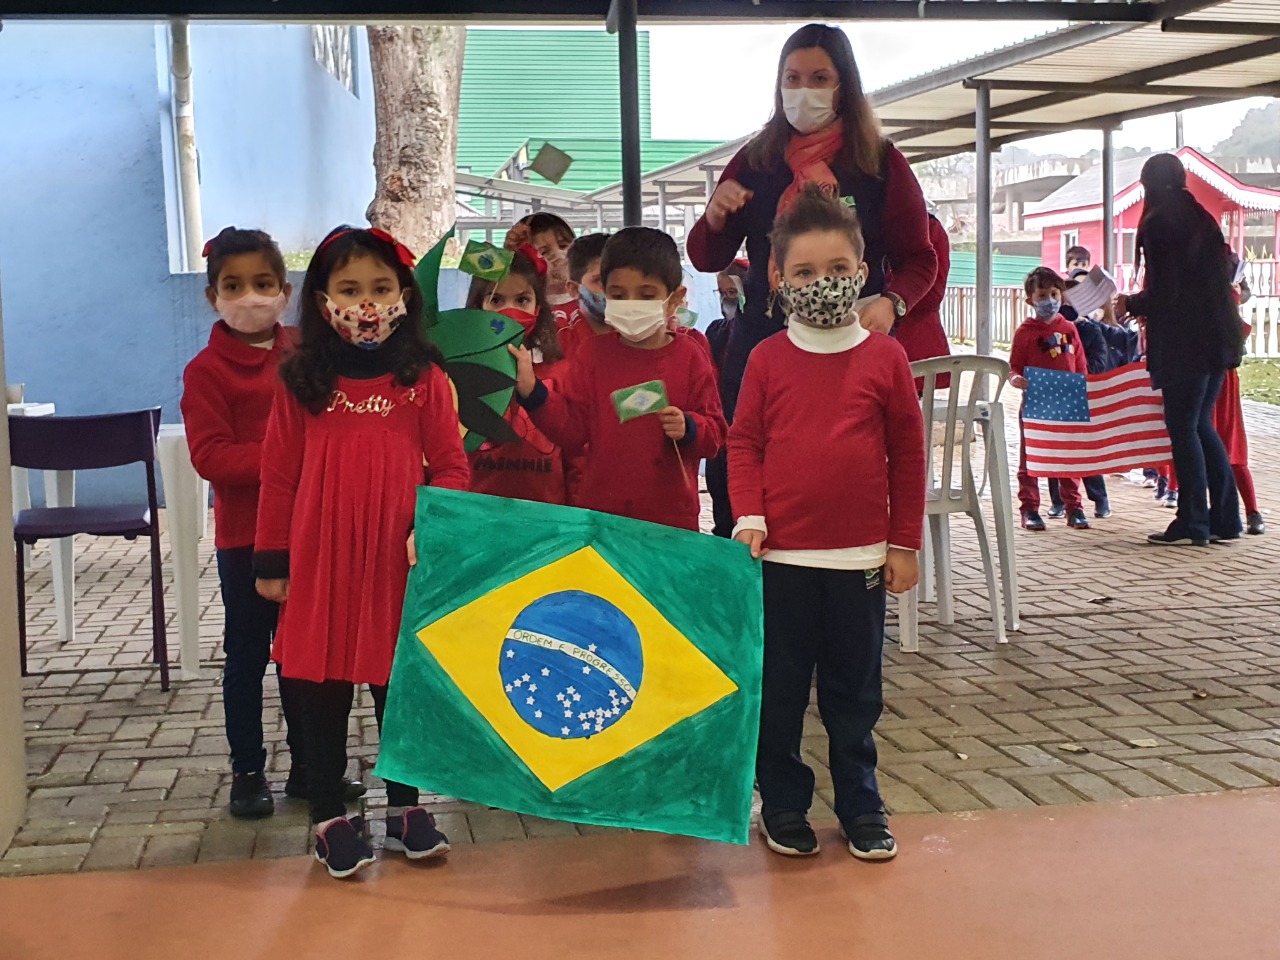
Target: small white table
point(186, 498)
point(59, 491)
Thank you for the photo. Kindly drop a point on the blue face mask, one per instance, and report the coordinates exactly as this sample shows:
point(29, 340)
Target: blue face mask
point(1048, 309)
point(592, 304)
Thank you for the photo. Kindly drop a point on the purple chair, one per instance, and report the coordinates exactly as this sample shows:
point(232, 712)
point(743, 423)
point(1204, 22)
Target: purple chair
point(91, 443)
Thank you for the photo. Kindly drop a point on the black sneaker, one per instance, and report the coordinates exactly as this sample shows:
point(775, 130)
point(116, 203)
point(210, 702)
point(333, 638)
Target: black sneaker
point(869, 837)
point(1078, 521)
point(414, 834)
point(1032, 520)
point(1101, 511)
point(1057, 512)
point(1256, 525)
point(297, 786)
point(789, 834)
point(1174, 538)
point(342, 848)
point(1223, 537)
point(250, 796)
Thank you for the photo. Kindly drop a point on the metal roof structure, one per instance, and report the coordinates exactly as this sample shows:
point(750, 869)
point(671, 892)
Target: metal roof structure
point(596, 11)
point(1094, 76)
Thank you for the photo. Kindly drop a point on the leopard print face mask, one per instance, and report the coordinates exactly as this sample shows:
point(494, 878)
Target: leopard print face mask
point(826, 303)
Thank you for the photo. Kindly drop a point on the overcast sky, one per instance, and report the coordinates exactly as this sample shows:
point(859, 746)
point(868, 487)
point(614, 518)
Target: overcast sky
point(715, 82)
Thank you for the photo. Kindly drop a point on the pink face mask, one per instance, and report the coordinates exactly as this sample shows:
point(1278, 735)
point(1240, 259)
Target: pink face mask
point(366, 325)
point(252, 313)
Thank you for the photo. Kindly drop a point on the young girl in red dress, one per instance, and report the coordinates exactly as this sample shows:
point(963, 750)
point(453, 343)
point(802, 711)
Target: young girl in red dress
point(532, 467)
point(363, 416)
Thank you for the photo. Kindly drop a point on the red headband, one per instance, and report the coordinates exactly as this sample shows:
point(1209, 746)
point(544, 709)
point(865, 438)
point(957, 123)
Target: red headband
point(403, 252)
point(208, 247)
point(530, 251)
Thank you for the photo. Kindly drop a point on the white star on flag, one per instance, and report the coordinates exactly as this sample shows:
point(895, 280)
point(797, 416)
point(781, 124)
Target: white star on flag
point(537, 714)
point(546, 672)
point(511, 654)
point(529, 701)
point(564, 731)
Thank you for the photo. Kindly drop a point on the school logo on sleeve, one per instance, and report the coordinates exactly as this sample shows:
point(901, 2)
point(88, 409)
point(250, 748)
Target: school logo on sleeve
point(588, 682)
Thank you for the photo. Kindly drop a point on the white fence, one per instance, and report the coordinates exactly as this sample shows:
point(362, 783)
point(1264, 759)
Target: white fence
point(1009, 308)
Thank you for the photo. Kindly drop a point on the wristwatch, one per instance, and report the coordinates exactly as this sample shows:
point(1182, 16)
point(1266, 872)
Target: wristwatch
point(899, 305)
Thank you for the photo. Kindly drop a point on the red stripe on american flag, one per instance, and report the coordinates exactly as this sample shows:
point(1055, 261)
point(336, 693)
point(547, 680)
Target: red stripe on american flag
point(1126, 430)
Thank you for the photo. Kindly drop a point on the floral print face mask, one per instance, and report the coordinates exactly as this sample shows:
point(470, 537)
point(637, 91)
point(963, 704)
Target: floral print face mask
point(366, 325)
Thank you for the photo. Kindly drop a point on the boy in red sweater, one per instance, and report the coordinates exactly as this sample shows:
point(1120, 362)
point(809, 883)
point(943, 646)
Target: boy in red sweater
point(1050, 341)
point(584, 282)
point(226, 400)
point(827, 477)
point(645, 468)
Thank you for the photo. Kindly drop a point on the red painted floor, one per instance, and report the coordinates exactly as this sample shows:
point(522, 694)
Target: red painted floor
point(1182, 877)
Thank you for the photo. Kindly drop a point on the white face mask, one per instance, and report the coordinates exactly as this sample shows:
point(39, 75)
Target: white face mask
point(252, 313)
point(635, 319)
point(809, 108)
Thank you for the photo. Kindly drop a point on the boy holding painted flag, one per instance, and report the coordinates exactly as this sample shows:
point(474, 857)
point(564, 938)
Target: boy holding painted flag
point(643, 445)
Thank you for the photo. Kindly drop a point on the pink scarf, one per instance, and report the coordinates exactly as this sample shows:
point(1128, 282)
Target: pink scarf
point(809, 158)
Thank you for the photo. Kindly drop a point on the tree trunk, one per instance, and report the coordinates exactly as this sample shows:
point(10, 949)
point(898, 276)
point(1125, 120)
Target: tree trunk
point(417, 80)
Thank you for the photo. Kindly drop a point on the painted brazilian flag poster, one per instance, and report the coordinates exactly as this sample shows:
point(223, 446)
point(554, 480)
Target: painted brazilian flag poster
point(577, 666)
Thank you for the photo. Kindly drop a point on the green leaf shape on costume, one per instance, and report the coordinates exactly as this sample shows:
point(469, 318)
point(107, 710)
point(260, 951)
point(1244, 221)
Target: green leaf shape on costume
point(474, 342)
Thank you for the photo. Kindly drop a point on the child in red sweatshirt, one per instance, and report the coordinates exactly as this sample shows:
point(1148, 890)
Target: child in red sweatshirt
point(1050, 341)
point(645, 468)
point(827, 477)
point(226, 401)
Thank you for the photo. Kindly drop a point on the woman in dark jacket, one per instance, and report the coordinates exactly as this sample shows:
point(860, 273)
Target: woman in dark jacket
point(1193, 338)
point(823, 130)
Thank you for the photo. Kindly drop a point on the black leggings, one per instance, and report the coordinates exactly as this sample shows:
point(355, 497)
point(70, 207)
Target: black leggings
point(326, 710)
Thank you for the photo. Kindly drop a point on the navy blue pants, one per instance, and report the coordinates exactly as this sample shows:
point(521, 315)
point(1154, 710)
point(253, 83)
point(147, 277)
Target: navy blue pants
point(832, 620)
point(718, 488)
point(1208, 502)
point(1095, 489)
point(250, 628)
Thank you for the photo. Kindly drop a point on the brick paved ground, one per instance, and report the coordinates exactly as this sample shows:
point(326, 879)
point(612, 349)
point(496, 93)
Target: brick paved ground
point(1121, 643)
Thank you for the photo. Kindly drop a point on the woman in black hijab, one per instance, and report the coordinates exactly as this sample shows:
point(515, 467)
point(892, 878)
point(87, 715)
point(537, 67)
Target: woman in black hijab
point(1193, 337)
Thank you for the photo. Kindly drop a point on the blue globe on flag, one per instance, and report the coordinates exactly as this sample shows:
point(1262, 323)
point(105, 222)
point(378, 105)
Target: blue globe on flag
point(571, 664)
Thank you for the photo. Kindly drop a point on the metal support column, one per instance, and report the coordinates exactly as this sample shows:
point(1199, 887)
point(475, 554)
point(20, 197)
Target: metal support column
point(982, 190)
point(622, 19)
point(1109, 200)
point(188, 158)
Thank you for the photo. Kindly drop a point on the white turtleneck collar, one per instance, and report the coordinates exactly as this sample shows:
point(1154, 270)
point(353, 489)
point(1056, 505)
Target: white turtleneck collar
point(838, 340)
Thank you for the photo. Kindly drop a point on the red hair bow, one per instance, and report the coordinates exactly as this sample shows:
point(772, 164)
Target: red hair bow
point(530, 251)
point(402, 252)
point(208, 247)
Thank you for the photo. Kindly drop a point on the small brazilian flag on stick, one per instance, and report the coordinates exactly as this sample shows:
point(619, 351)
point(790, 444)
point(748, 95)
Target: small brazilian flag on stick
point(642, 399)
point(485, 261)
point(579, 677)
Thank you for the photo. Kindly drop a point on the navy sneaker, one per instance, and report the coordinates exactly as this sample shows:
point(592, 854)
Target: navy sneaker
point(1257, 526)
point(789, 834)
point(869, 837)
point(1176, 538)
point(342, 847)
point(1162, 488)
point(1057, 511)
point(298, 786)
point(1101, 511)
point(1078, 521)
point(1031, 520)
point(250, 796)
point(1171, 500)
point(414, 834)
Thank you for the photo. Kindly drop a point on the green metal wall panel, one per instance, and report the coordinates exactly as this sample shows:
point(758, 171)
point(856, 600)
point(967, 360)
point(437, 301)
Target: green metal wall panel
point(546, 84)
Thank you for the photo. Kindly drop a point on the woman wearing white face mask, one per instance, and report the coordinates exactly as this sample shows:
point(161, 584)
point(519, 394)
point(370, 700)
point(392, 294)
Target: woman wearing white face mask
point(823, 131)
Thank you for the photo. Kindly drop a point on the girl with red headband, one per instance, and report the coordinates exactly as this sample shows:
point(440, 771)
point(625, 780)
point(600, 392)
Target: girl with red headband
point(363, 416)
point(531, 467)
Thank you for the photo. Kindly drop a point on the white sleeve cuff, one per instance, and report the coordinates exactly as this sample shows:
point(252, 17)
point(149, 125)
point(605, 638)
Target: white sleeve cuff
point(750, 523)
point(894, 546)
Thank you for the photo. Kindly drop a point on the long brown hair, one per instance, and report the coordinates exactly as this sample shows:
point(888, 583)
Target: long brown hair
point(543, 335)
point(863, 149)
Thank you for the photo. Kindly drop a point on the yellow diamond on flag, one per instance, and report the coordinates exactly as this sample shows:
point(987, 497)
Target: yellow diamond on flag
point(573, 667)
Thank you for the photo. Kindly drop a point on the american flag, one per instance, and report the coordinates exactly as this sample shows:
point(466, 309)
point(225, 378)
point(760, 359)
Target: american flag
point(1079, 426)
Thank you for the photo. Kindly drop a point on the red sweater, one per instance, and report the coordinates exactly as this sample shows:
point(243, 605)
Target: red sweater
point(1054, 345)
point(226, 401)
point(921, 332)
point(829, 448)
point(632, 469)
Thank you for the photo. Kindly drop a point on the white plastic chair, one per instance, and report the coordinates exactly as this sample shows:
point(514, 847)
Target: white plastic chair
point(975, 382)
